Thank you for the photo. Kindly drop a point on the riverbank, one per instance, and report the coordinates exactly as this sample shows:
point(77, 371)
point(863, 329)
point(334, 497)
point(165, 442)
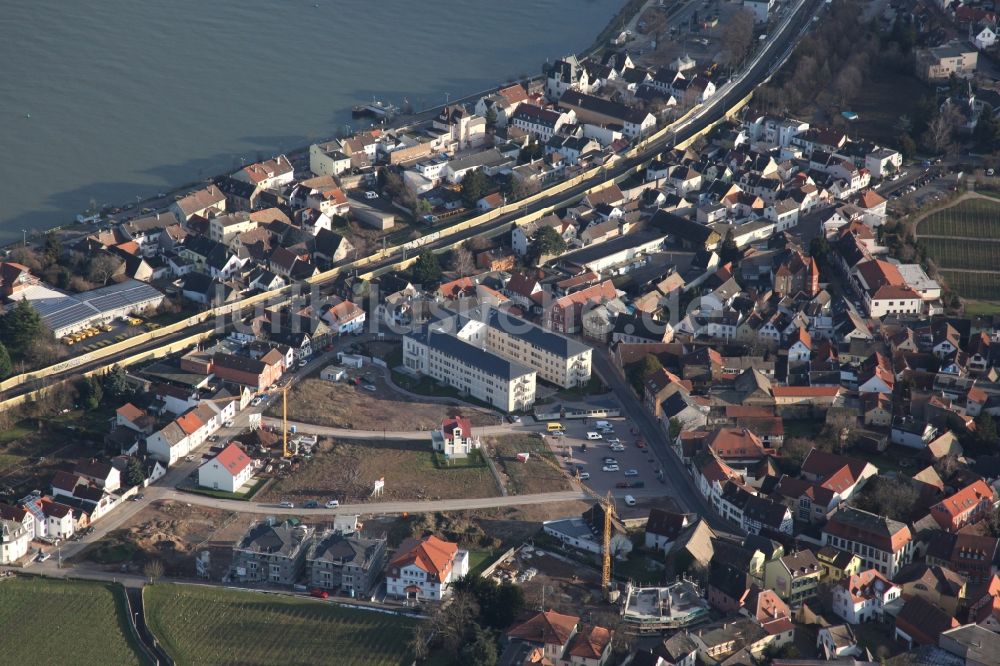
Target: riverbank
point(623, 16)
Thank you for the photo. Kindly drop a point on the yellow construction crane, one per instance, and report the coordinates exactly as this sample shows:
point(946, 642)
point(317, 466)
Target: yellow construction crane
point(607, 503)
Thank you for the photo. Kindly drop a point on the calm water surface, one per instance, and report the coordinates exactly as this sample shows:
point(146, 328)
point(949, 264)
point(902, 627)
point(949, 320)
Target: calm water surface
point(130, 97)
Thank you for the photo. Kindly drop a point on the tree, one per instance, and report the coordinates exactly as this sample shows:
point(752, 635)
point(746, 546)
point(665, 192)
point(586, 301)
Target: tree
point(937, 138)
point(675, 428)
point(491, 118)
point(522, 188)
point(427, 269)
point(533, 151)
point(729, 251)
point(986, 433)
point(475, 186)
point(115, 383)
point(153, 570)
point(101, 267)
point(462, 261)
point(737, 37)
point(90, 393)
point(20, 327)
point(638, 372)
point(134, 472)
point(6, 366)
point(52, 249)
point(499, 603)
point(987, 132)
point(548, 242)
point(480, 648)
point(896, 499)
point(907, 146)
point(819, 247)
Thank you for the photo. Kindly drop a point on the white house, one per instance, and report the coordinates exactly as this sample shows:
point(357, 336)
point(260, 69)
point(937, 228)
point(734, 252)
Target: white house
point(344, 317)
point(455, 439)
point(862, 598)
point(985, 38)
point(228, 471)
point(425, 569)
point(14, 540)
point(907, 431)
point(168, 444)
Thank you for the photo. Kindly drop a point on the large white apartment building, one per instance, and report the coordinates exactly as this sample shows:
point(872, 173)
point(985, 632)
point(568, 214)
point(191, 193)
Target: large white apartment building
point(496, 357)
point(507, 385)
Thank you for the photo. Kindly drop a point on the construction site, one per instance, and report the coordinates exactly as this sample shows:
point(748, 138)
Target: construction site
point(652, 610)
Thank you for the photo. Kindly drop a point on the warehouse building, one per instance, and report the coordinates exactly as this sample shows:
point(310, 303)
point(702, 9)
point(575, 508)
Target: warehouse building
point(65, 313)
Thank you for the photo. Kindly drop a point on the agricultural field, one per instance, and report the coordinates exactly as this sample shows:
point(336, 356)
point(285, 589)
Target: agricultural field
point(980, 286)
point(947, 233)
point(952, 253)
point(347, 470)
point(90, 618)
point(973, 218)
point(198, 625)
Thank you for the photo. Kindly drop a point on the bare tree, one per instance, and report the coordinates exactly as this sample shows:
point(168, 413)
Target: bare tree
point(153, 570)
point(478, 243)
point(938, 134)
point(102, 267)
point(462, 262)
point(737, 37)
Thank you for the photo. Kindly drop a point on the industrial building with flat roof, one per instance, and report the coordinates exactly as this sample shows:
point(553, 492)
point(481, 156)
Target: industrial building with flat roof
point(65, 313)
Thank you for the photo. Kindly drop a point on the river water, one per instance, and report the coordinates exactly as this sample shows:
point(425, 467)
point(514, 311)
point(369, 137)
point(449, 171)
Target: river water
point(131, 97)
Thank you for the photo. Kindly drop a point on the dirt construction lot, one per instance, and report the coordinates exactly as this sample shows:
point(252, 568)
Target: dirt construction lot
point(345, 405)
point(347, 471)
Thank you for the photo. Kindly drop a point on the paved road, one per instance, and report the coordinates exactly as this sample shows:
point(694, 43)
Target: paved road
point(345, 433)
point(680, 483)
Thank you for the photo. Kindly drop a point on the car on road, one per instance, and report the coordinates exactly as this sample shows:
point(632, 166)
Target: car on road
point(631, 472)
point(287, 505)
point(320, 594)
point(189, 458)
point(614, 441)
point(584, 476)
point(610, 468)
point(43, 556)
point(332, 504)
point(213, 438)
point(594, 435)
point(230, 424)
point(629, 500)
point(369, 387)
point(256, 401)
point(557, 433)
point(311, 504)
point(641, 444)
point(303, 363)
point(618, 448)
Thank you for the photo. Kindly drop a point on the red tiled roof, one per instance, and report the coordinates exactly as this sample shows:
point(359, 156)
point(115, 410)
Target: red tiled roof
point(190, 423)
point(450, 424)
point(805, 391)
point(590, 642)
point(433, 555)
point(129, 412)
point(549, 628)
point(950, 508)
point(233, 459)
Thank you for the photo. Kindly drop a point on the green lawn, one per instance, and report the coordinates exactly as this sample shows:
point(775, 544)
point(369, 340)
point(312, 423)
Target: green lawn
point(983, 286)
point(64, 622)
point(200, 625)
point(981, 308)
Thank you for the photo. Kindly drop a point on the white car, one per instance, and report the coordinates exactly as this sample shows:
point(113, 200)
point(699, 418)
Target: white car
point(610, 468)
point(230, 424)
point(629, 500)
point(256, 401)
point(287, 505)
point(332, 504)
point(369, 387)
point(594, 435)
point(43, 556)
point(371, 195)
point(584, 476)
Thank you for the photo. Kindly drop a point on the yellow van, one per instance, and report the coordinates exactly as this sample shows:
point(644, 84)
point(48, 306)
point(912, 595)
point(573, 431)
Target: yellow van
point(554, 426)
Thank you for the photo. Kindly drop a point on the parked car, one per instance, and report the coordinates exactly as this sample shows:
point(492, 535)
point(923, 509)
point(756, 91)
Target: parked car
point(43, 556)
point(256, 401)
point(610, 468)
point(618, 449)
point(608, 460)
point(332, 504)
point(369, 387)
point(631, 472)
point(287, 505)
point(189, 458)
point(320, 594)
point(230, 424)
point(629, 500)
point(213, 438)
point(594, 435)
point(584, 476)
point(311, 504)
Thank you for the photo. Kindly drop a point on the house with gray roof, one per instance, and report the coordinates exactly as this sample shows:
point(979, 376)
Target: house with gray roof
point(350, 563)
point(270, 553)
